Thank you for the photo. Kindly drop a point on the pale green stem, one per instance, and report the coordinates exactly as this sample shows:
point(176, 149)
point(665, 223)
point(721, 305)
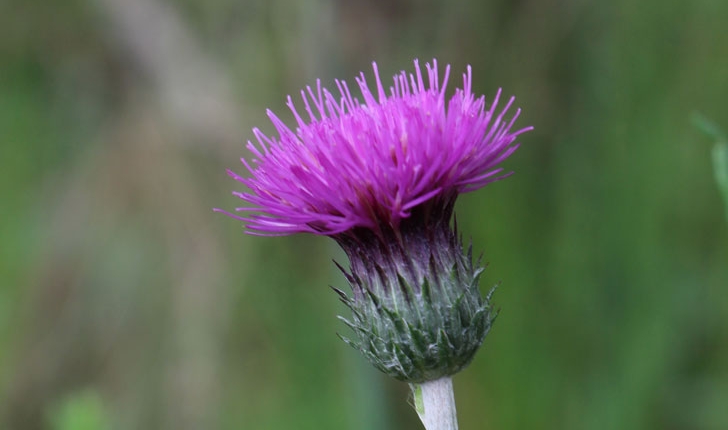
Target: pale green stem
point(435, 404)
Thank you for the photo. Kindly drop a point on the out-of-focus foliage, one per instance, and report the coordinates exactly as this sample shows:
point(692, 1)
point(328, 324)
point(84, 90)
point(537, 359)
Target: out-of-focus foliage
point(720, 164)
point(118, 118)
point(79, 411)
point(720, 154)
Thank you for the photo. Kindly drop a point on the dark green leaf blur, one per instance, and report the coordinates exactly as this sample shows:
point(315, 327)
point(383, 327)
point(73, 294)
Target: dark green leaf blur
point(126, 303)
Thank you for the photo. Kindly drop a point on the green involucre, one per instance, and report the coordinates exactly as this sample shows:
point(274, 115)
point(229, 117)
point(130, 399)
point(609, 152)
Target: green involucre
point(425, 331)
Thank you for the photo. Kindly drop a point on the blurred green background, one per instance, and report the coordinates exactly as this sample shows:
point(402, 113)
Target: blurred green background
point(126, 303)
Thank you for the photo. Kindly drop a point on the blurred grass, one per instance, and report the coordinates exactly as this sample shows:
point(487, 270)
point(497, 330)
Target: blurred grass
point(720, 165)
point(80, 411)
point(118, 280)
point(720, 154)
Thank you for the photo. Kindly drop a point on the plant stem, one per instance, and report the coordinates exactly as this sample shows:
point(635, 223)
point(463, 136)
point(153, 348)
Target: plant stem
point(435, 404)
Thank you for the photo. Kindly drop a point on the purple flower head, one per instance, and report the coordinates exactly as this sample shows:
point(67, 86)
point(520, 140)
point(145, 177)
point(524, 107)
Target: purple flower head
point(353, 164)
point(380, 176)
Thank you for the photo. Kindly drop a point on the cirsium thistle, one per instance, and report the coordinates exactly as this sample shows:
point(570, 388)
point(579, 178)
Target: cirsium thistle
point(380, 176)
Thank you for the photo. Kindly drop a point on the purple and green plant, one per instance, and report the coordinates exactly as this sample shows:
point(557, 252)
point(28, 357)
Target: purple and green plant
point(381, 176)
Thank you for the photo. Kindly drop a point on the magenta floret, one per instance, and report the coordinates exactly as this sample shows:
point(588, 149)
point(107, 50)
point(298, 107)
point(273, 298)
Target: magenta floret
point(367, 164)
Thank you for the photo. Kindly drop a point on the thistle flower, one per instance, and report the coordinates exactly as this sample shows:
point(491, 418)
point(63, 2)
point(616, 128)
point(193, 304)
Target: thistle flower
point(380, 176)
